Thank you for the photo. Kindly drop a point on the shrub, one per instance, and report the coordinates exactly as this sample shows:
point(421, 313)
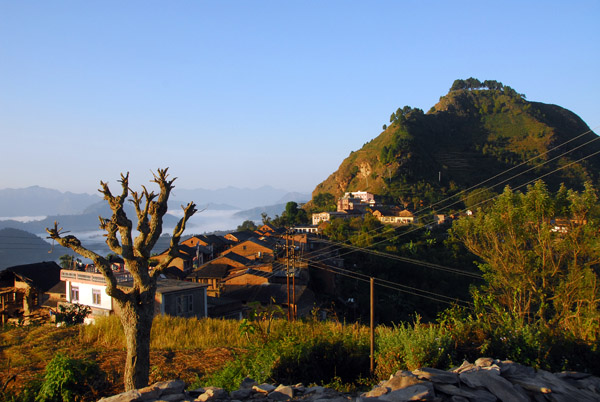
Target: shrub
point(408, 347)
point(72, 314)
point(68, 379)
point(323, 353)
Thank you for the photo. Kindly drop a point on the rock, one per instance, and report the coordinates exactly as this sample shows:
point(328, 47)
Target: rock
point(149, 393)
point(129, 396)
point(508, 369)
point(196, 392)
point(332, 399)
point(401, 379)
point(590, 383)
point(242, 393)
point(465, 366)
point(263, 388)
point(172, 398)
point(376, 392)
point(494, 383)
point(282, 393)
point(299, 388)
point(315, 390)
point(417, 392)
point(435, 375)
point(248, 383)
point(213, 394)
point(484, 362)
point(475, 395)
point(562, 390)
point(486, 381)
point(170, 387)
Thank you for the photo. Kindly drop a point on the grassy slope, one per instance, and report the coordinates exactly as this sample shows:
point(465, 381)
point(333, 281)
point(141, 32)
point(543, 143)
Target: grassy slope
point(468, 136)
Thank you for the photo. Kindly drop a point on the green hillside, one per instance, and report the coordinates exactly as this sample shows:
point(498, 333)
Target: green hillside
point(475, 132)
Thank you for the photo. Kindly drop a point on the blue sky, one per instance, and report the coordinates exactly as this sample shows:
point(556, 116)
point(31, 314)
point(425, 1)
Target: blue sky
point(252, 93)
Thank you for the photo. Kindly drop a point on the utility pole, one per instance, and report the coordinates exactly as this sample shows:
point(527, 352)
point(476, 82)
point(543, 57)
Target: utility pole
point(293, 279)
point(372, 354)
point(287, 271)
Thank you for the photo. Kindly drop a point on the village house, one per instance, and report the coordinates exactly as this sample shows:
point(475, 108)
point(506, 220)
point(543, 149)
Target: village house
point(23, 288)
point(306, 229)
point(215, 271)
point(173, 297)
point(254, 249)
point(327, 217)
point(269, 230)
point(394, 216)
point(239, 237)
point(357, 200)
point(216, 243)
point(191, 256)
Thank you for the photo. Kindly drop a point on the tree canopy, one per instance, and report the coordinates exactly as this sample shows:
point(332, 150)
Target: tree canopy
point(540, 257)
point(134, 306)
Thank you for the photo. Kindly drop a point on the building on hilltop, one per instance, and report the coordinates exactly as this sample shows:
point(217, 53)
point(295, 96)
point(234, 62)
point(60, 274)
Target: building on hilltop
point(394, 216)
point(357, 200)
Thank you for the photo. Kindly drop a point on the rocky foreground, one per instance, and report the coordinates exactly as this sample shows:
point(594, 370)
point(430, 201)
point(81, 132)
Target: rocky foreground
point(486, 380)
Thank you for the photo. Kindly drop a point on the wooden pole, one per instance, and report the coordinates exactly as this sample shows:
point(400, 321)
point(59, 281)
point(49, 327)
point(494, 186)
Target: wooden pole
point(372, 355)
point(287, 273)
point(293, 279)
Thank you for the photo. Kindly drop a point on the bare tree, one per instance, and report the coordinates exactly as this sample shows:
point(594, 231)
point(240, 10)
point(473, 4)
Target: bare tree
point(134, 306)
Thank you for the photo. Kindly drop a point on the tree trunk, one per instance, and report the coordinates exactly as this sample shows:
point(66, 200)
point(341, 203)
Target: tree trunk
point(136, 315)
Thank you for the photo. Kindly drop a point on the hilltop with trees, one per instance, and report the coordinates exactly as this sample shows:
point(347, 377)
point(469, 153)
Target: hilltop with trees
point(476, 131)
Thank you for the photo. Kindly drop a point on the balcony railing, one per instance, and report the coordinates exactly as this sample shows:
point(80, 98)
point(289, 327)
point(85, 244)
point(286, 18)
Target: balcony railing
point(81, 276)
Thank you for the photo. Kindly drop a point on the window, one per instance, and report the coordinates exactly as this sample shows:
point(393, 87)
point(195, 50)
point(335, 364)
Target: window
point(96, 296)
point(184, 304)
point(74, 294)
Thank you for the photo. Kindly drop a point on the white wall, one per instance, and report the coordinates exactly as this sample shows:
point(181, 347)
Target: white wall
point(85, 295)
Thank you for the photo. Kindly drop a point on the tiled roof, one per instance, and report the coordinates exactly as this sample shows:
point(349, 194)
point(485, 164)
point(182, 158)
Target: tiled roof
point(41, 275)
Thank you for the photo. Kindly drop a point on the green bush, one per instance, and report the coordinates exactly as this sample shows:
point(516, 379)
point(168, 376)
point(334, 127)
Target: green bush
point(298, 352)
point(408, 347)
point(476, 334)
point(68, 379)
point(72, 314)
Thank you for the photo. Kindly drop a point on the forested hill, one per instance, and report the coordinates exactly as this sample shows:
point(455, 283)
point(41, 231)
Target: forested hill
point(475, 132)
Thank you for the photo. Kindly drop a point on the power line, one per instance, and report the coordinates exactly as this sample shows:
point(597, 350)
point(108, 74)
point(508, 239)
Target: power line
point(531, 181)
point(389, 284)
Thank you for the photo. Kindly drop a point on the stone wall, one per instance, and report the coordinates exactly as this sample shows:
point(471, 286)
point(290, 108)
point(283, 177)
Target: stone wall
point(486, 380)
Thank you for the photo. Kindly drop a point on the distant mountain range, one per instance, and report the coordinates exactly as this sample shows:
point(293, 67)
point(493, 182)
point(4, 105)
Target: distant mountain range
point(236, 198)
point(20, 241)
point(19, 247)
point(39, 201)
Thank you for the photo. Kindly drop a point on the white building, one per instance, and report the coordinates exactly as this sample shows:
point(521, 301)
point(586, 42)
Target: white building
point(173, 297)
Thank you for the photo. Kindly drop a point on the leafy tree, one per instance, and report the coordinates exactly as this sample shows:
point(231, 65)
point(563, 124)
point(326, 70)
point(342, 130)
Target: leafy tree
point(536, 271)
point(473, 83)
point(66, 261)
point(457, 85)
point(478, 198)
point(324, 202)
point(294, 215)
point(492, 84)
point(265, 218)
point(247, 225)
point(134, 307)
